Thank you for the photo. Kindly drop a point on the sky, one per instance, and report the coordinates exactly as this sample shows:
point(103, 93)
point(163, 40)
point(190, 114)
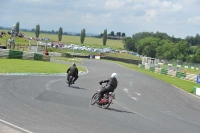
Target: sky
point(178, 18)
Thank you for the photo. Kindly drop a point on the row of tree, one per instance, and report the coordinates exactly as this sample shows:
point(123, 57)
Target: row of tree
point(160, 45)
point(112, 33)
point(60, 33)
point(155, 45)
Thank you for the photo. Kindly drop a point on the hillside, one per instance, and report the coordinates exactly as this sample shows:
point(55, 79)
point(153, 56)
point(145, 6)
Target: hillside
point(66, 39)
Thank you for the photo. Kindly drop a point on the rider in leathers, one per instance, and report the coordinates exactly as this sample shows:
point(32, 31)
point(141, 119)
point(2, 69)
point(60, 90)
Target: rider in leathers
point(73, 70)
point(110, 86)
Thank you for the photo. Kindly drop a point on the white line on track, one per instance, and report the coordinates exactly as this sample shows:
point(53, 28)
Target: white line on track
point(134, 98)
point(126, 90)
point(50, 82)
point(137, 93)
point(16, 127)
point(86, 71)
point(162, 81)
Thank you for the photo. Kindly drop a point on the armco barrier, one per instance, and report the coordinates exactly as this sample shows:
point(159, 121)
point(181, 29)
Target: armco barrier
point(122, 60)
point(81, 56)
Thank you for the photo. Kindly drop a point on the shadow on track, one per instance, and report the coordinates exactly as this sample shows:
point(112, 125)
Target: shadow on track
point(121, 111)
point(76, 87)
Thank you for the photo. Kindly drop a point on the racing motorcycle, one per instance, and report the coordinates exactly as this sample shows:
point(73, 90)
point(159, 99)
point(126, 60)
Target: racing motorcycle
point(70, 80)
point(105, 101)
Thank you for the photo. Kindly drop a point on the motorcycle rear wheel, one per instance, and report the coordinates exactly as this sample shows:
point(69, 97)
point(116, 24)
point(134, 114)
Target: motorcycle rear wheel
point(105, 106)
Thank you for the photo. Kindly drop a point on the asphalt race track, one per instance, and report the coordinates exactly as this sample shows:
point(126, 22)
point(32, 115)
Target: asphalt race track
point(44, 104)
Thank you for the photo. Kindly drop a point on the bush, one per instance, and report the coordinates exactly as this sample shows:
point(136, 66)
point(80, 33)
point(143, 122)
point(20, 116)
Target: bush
point(69, 55)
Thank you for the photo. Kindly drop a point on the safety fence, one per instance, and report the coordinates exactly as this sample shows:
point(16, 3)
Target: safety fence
point(173, 73)
point(13, 54)
point(182, 66)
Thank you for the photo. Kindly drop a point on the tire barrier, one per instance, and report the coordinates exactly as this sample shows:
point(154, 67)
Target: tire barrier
point(173, 73)
point(180, 75)
point(14, 54)
point(164, 71)
point(196, 90)
point(4, 53)
point(152, 69)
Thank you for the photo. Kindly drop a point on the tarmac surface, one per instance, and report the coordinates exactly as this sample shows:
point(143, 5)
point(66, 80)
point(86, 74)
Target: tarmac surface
point(45, 104)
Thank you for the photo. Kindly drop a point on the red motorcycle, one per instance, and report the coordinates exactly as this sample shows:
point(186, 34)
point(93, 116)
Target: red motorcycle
point(105, 101)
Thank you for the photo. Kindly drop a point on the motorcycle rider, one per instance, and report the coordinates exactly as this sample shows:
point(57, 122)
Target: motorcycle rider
point(110, 86)
point(73, 71)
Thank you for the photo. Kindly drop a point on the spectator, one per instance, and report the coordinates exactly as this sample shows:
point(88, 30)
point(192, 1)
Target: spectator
point(46, 52)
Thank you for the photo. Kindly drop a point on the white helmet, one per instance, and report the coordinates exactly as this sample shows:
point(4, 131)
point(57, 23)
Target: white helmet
point(114, 75)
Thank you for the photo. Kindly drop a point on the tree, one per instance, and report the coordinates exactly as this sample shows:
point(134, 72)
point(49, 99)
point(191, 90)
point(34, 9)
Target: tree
point(82, 36)
point(196, 57)
point(112, 33)
point(165, 50)
point(147, 46)
point(60, 32)
point(183, 50)
point(32, 30)
point(37, 31)
point(123, 34)
point(105, 37)
point(17, 27)
point(129, 44)
point(119, 33)
point(101, 35)
point(52, 31)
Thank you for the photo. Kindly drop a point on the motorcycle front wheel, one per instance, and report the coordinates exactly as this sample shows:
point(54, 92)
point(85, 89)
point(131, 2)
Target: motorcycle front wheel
point(70, 81)
point(94, 99)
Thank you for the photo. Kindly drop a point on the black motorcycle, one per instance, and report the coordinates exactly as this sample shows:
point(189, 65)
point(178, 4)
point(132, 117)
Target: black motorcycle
point(70, 80)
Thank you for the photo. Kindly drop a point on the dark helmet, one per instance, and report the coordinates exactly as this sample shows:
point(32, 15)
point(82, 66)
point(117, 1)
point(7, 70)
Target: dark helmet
point(74, 64)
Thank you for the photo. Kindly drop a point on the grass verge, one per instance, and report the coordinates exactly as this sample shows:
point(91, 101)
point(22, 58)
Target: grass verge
point(67, 39)
point(31, 66)
point(183, 84)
